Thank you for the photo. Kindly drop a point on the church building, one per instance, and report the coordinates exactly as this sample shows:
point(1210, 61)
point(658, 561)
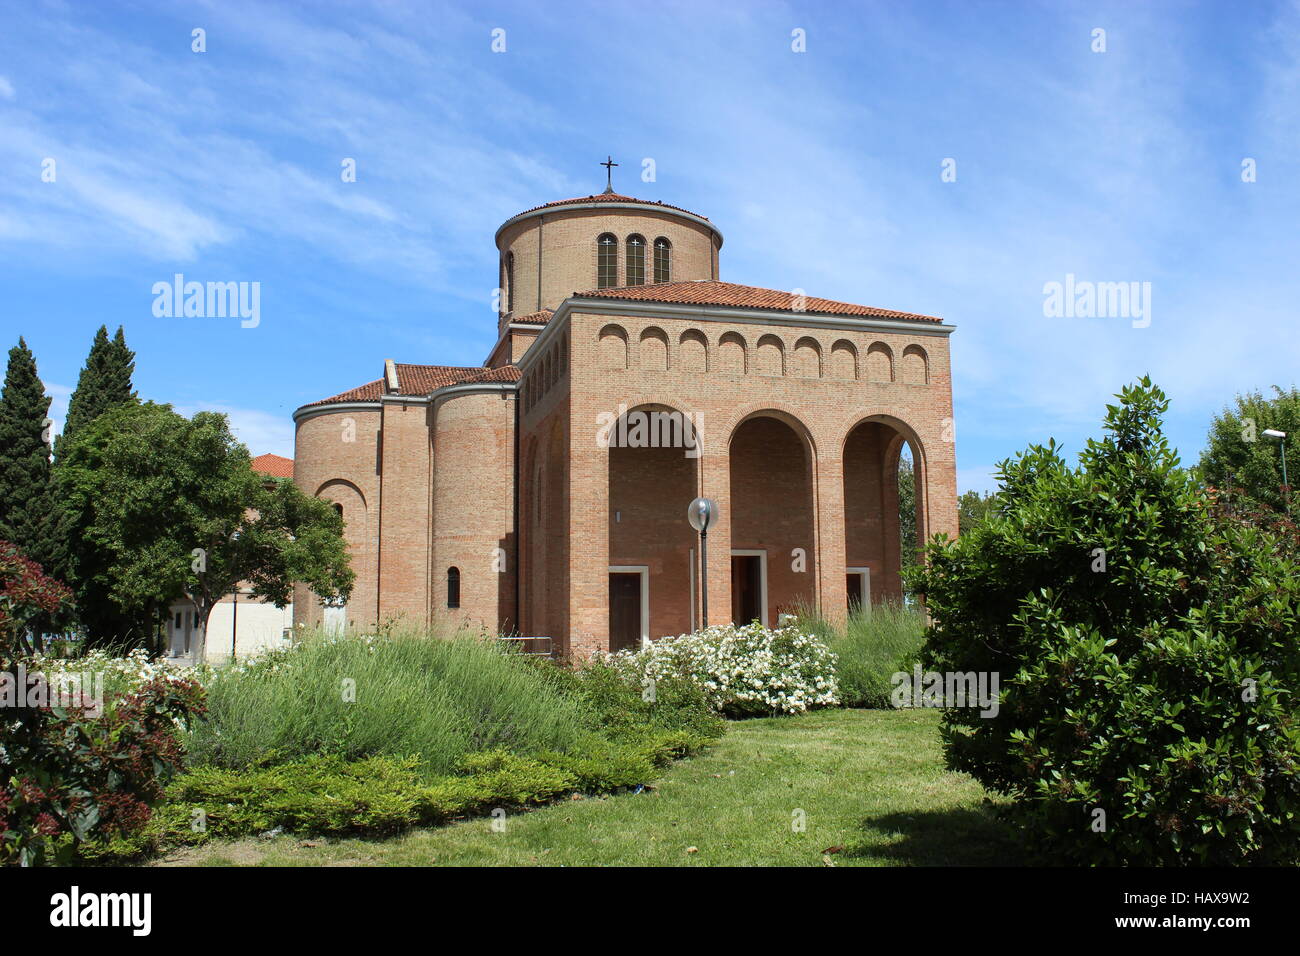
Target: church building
point(545, 493)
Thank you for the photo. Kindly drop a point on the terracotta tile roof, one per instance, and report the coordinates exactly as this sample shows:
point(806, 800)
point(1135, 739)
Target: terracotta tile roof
point(370, 392)
point(277, 466)
point(610, 197)
point(534, 318)
point(423, 379)
point(715, 292)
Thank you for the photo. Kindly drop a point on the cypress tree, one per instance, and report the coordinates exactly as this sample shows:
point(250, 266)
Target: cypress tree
point(25, 496)
point(104, 383)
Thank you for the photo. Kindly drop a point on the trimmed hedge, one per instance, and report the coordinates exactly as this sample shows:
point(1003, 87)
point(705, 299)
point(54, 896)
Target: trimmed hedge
point(380, 796)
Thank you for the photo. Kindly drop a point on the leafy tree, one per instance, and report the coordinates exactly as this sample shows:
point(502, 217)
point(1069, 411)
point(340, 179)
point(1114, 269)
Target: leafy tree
point(25, 496)
point(104, 383)
point(172, 509)
point(1145, 642)
point(972, 508)
point(1238, 456)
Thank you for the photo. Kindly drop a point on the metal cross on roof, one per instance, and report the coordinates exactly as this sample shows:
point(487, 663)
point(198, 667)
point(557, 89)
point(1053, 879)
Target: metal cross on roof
point(609, 165)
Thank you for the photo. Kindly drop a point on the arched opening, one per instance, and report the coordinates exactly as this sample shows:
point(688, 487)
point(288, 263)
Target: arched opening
point(653, 452)
point(349, 503)
point(772, 531)
point(884, 520)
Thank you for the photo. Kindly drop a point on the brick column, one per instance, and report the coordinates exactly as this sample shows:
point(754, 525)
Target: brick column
point(832, 558)
point(588, 545)
point(715, 483)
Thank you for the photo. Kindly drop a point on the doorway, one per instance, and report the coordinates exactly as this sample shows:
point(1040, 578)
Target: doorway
point(858, 581)
point(335, 619)
point(629, 607)
point(748, 587)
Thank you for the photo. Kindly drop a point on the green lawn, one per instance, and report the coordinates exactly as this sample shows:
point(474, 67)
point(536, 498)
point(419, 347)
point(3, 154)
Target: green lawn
point(871, 782)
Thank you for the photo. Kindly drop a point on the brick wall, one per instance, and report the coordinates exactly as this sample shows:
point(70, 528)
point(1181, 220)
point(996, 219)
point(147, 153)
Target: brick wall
point(567, 241)
point(336, 458)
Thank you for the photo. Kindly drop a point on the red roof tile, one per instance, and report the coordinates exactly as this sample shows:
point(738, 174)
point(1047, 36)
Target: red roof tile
point(534, 318)
point(714, 292)
point(370, 392)
point(423, 379)
point(610, 197)
point(277, 466)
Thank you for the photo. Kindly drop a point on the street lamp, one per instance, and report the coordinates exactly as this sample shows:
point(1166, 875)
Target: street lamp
point(703, 515)
point(1286, 487)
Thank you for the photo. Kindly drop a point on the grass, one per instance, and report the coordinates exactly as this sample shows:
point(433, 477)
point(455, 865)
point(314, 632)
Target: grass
point(872, 645)
point(871, 783)
point(406, 694)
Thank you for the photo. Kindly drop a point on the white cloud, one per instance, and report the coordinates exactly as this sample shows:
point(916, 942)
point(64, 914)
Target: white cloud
point(6, 88)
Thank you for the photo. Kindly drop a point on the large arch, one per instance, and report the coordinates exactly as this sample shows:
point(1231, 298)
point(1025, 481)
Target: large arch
point(350, 502)
point(653, 475)
point(773, 525)
point(872, 523)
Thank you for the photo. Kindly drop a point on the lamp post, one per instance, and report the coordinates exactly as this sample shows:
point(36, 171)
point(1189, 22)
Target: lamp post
point(702, 513)
point(1286, 487)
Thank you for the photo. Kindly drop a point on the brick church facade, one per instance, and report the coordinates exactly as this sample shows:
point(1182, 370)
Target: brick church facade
point(545, 493)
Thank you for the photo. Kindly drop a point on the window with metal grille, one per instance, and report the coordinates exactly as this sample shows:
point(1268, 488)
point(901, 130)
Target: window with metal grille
point(636, 260)
point(606, 262)
point(663, 260)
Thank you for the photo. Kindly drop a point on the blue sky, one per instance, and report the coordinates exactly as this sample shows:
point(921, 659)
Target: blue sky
point(822, 169)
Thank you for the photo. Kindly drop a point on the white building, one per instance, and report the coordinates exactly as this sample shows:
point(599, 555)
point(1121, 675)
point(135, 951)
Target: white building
point(240, 625)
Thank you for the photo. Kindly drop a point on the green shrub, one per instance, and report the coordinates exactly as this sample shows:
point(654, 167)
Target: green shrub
point(871, 646)
point(379, 796)
point(621, 708)
point(439, 729)
point(1158, 687)
point(399, 695)
point(71, 773)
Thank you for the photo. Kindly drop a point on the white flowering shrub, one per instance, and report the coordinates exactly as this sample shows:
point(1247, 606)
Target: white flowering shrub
point(124, 674)
point(744, 670)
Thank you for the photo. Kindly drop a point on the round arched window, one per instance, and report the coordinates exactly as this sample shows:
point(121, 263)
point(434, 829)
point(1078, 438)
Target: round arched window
point(663, 260)
point(635, 260)
point(606, 261)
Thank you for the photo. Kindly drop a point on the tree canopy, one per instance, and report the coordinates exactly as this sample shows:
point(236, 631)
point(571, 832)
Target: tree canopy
point(172, 508)
point(1145, 644)
point(1239, 458)
point(25, 496)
